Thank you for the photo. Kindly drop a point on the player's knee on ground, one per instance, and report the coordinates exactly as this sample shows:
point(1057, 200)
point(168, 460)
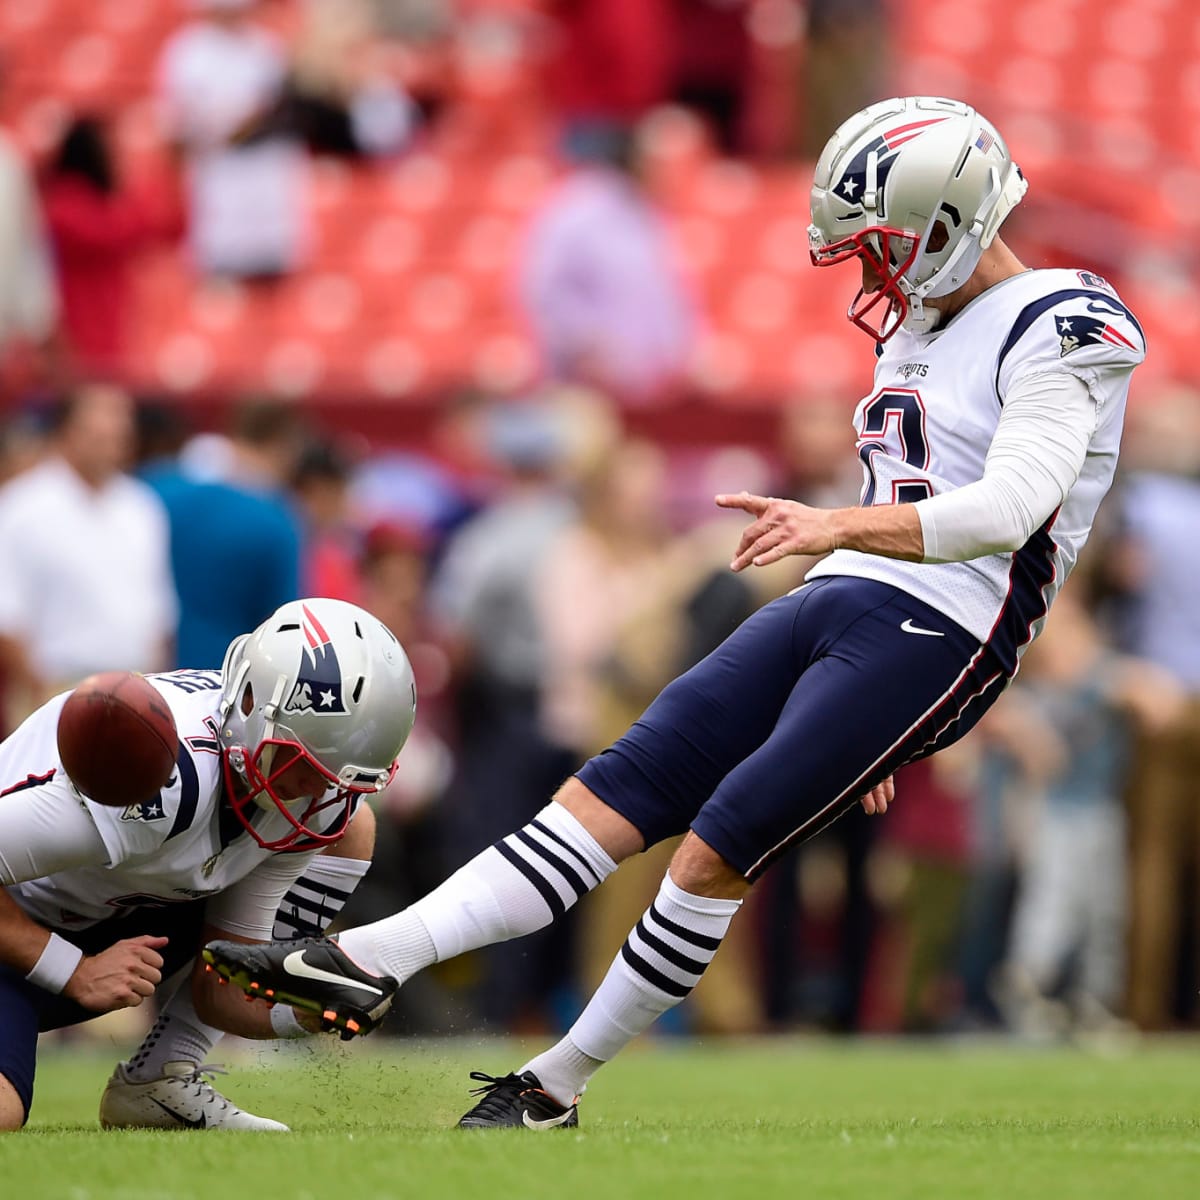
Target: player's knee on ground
point(359, 841)
point(12, 1111)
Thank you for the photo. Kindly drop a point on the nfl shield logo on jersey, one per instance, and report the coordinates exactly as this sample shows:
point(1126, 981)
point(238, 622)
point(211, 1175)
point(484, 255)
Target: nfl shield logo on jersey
point(318, 686)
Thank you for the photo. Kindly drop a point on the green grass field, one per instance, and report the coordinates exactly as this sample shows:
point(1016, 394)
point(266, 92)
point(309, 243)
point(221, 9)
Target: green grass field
point(792, 1118)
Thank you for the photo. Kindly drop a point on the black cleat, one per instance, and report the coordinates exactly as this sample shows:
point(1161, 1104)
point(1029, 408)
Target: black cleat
point(309, 973)
point(514, 1100)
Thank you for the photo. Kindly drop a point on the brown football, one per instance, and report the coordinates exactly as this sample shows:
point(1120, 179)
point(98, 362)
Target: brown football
point(117, 739)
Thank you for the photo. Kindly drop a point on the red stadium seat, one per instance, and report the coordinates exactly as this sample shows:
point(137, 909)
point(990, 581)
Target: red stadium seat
point(410, 285)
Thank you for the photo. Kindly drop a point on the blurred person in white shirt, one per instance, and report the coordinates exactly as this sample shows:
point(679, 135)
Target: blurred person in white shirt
point(219, 76)
point(240, 106)
point(83, 556)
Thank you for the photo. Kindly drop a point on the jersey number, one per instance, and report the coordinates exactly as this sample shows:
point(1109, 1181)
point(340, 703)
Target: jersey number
point(905, 408)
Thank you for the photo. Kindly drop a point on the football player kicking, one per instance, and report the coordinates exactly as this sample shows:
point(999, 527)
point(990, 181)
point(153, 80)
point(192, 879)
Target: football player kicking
point(987, 440)
point(259, 833)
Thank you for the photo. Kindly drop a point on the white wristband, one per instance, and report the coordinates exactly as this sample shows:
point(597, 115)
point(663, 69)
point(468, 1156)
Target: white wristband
point(284, 1023)
point(56, 965)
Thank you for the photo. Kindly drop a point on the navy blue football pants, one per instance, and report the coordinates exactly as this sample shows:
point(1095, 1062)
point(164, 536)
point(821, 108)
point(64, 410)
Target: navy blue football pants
point(26, 1011)
point(810, 703)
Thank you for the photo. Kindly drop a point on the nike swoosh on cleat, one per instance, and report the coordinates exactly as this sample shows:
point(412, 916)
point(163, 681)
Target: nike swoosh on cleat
point(294, 964)
point(548, 1123)
point(201, 1122)
point(906, 626)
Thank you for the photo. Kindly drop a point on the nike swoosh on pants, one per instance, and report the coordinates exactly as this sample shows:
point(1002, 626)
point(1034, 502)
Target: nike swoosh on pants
point(906, 626)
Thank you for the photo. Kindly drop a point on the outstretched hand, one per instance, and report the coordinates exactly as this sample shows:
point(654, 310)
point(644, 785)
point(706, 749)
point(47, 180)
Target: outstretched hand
point(780, 528)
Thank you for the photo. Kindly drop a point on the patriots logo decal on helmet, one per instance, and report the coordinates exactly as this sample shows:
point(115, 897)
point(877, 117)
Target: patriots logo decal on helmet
point(318, 686)
point(1076, 331)
point(853, 183)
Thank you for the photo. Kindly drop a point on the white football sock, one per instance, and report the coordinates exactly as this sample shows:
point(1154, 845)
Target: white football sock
point(563, 1070)
point(515, 887)
point(178, 1035)
point(307, 909)
point(659, 964)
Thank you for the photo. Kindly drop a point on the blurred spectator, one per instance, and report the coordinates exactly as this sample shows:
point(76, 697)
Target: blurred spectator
point(410, 848)
point(84, 557)
point(992, 769)
point(484, 599)
point(339, 92)
point(1080, 701)
point(29, 307)
point(712, 67)
point(235, 538)
point(439, 487)
point(320, 485)
point(394, 570)
point(97, 228)
point(221, 77)
point(596, 574)
point(416, 21)
point(245, 140)
point(1155, 566)
point(602, 292)
point(846, 66)
point(395, 578)
point(611, 62)
point(923, 857)
point(23, 442)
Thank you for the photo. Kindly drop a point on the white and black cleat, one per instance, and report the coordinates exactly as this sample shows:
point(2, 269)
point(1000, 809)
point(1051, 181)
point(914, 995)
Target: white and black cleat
point(313, 974)
point(517, 1101)
point(181, 1098)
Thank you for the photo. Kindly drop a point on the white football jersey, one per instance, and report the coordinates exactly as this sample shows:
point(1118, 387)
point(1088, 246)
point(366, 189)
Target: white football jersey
point(183, 845)
point(927, 425)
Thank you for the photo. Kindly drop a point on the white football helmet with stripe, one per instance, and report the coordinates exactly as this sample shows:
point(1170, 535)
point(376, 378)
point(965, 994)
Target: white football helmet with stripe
point(320, 681)
point(918, 186)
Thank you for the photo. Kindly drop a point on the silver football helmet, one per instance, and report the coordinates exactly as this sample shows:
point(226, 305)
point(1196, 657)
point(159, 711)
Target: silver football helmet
point(323, 682)
point(917, 186)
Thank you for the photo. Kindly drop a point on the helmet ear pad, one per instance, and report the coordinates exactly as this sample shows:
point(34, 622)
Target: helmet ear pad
point(939, 236)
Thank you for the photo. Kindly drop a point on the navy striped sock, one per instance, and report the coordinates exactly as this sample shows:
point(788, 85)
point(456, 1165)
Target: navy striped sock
point(519, 885)
point(659, 964)
point(315, 899)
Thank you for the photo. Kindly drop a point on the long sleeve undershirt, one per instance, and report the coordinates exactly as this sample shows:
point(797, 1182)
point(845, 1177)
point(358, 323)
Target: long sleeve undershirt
point(41, 835)
point(1035, 458)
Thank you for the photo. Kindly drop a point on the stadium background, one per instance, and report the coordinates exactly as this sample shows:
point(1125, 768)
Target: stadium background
point(399, 327)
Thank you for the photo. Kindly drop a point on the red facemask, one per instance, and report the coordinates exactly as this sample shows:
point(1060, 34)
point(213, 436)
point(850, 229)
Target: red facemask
point(244, 792)
point(875, 246)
